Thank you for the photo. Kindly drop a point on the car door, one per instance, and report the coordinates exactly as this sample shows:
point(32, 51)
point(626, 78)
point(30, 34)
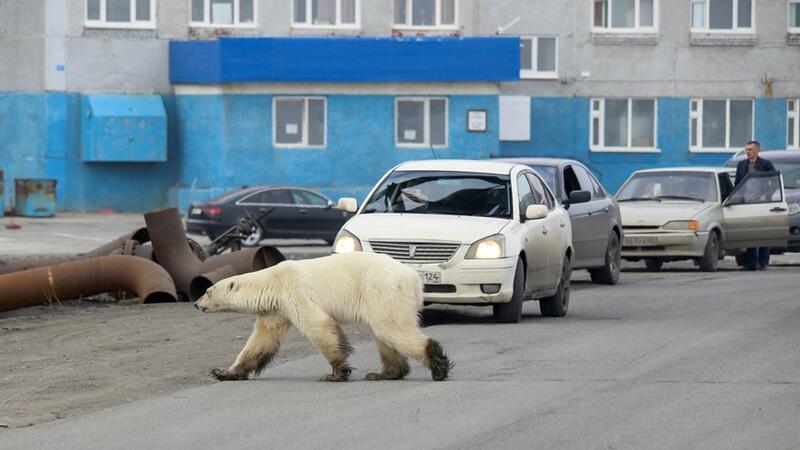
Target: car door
point(585, 234)
point(315, 215)
point(600, 210)
point(278, 223)
point(554, 226)
point(534, 237)
point(755, 213)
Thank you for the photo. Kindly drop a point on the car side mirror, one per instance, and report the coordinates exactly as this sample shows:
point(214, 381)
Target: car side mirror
point(329, 205)
point(348, 204)
point(579, 197)
point(534, 212)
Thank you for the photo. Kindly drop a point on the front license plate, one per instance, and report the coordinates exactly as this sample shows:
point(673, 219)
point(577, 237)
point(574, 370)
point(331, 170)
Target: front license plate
point(196, 211)
point(639, 241)
point(430, 277)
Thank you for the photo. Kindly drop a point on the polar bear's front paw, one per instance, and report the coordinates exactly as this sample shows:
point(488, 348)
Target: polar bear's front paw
point(337, 375)
point(226, 375)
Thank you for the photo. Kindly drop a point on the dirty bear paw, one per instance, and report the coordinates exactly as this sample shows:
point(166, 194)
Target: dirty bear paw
point(226, 375)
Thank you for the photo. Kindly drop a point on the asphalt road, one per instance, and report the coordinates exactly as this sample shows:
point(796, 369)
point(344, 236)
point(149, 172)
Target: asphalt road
point(678, 359)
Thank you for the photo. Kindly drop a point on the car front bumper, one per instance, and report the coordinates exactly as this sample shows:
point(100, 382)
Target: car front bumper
point(664, 244)
point(461, 280)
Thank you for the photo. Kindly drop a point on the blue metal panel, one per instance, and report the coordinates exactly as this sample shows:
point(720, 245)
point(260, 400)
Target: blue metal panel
point(124, 128)
point(344, 59)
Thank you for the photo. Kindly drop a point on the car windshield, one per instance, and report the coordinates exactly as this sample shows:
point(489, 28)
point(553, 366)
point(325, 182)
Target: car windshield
point(656, 186)
point(452, 193)
point(549, 175)
point(790, 172)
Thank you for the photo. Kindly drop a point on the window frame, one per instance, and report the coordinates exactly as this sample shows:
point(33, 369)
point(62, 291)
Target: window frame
point(426, 144)
point(734, 19)
point(206, 23)
point(793, 114)
point(637, 28)
point(307, 24)
point(304, 141)
point(408, 24)
point(697, 115)
point(789, 28)
point(600, 115)
point(132, 24)
point(531, 74)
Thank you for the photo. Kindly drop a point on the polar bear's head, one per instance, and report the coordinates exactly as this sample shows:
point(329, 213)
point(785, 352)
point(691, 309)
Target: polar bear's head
point(221, 297)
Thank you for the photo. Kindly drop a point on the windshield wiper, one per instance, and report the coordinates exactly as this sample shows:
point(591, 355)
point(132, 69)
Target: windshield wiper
point(680, 197)
point(637, 199)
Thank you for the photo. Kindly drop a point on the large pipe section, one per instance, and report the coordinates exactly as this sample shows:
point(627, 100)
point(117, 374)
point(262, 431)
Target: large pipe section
point(149, 281)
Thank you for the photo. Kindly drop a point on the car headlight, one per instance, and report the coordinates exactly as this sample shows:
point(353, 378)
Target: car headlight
point(491, 247)
point(691, 225)
point(346, 242)
point(794, 208)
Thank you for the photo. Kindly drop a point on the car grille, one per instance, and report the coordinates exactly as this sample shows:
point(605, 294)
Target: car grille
point(439, 288)
point(417, 252)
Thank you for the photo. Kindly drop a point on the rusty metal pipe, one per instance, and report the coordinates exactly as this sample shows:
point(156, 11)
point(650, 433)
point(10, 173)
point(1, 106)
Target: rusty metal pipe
point(202, 282)
point(149, 281)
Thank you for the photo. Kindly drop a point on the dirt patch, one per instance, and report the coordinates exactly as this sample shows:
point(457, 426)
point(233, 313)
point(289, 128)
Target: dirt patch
point(78, 357)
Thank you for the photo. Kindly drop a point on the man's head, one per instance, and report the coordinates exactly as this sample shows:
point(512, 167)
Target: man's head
point(752, 148)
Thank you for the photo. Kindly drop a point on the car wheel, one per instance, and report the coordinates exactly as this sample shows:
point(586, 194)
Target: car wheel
point(254, 238)
point(708, 263)
point(653, 263)
point(511, 312)
point(609, 273)
point(558, 304)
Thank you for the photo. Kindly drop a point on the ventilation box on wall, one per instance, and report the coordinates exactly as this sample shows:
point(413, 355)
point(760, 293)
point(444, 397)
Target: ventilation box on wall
point(123, 128)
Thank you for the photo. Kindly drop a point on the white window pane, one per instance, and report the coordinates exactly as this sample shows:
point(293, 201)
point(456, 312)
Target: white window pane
point(595, 105)
point(616, 123)
point(745, 10)
point(790, 105)
point(93, 9)
point(643, 123)
point(622, 13)
point(525, 56)
point(143, 10)
point(601, 13)
point(222, 12)
point(694, 132)
point(423, 13)
point(790, 139)
point(694, 105)
point(197, 10)
point(720, 14)
point(410, 122)
point(246, 13)
point(596, 131)
point(546, 55)
point(349, 11)
point(741, 122)
point(448, 12)
point(646, 13)
point(323, 12)
point(299, 11)
point(714, 123)
point(698, 16)
point(316, 122)
point(118, 10)
point(794, 15)
point(289, 121)
point(400, 11)
point(438, 122)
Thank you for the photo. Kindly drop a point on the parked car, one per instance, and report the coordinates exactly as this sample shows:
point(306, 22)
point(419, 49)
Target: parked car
point(788, 163)
point(596, 224)
point(696, 213)
point(478, 233)
point(299, 213)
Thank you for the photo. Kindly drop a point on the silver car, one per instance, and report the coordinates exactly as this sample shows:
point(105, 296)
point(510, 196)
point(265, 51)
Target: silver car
point(696, 213)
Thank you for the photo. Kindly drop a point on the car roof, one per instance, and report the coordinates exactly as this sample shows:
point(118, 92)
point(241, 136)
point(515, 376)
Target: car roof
point(540, 161)
point(772, 155)
point(458, 165)
point(686, 169)
point(246, 190)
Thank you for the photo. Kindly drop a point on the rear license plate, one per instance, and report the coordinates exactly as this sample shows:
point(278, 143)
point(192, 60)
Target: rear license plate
point(196, 211)
point(639, 241)
point(430, 277)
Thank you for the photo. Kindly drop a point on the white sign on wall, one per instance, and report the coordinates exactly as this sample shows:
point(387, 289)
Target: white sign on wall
point(515, 118)
point(476, 120)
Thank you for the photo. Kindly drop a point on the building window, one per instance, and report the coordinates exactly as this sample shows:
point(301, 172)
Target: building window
point(720, 125)
point(793, 124)
point(538, 57)
point(794, 16)
point(421, 122)
point(722, 15)
point(299, 121)
point(623, 124)
point(625, 15)
point(326, 13)
point(426, 13)
point(120, 13)
point(223, 13)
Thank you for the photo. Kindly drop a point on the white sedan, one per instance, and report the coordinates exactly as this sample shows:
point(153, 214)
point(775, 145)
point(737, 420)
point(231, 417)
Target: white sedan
point(477, 232)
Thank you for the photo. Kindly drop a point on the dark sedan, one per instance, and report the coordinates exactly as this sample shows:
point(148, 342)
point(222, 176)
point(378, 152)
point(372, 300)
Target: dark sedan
point(596, 224)
point(788, 163)
point(298, 213)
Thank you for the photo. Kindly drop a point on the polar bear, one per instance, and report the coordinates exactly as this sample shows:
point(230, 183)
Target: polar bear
point(316, 295)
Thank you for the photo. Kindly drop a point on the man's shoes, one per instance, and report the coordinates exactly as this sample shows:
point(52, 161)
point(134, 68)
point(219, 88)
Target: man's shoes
point(749, 269)
point(762, 267)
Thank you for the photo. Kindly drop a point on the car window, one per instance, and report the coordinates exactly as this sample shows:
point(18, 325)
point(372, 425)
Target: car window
point(585, 180)
point(599, 191)
point(675, 185)
point(791, 173)
point(301, 197)
point(548, 173)
point(725, 185)
point(540, 191)
point(757, 187)
point(571, 182)
point(526, 195)
point(271, 196)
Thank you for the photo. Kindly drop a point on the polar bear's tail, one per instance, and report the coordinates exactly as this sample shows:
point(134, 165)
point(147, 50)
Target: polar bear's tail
point(440, 365)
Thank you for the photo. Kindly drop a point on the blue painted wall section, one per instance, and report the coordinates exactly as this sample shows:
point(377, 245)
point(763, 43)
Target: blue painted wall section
point(123, 128)
point(344, 59)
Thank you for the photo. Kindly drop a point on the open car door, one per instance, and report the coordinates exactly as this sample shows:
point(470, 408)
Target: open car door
point(756, 213)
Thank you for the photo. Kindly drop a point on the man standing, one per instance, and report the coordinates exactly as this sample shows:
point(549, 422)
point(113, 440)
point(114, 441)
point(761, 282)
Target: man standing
point(756, 258)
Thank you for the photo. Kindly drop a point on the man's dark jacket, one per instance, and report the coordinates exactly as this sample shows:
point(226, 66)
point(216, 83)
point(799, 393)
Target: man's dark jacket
point(762, 165)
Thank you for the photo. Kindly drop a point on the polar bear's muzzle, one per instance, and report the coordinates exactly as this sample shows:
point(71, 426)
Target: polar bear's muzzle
point(201, 304)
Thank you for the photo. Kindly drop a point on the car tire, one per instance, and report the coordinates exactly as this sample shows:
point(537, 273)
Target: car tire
point(653, 263)
point(609, 273)
point(254, 238)
point(708, 263)
point(558, 304)
point(511, 312)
